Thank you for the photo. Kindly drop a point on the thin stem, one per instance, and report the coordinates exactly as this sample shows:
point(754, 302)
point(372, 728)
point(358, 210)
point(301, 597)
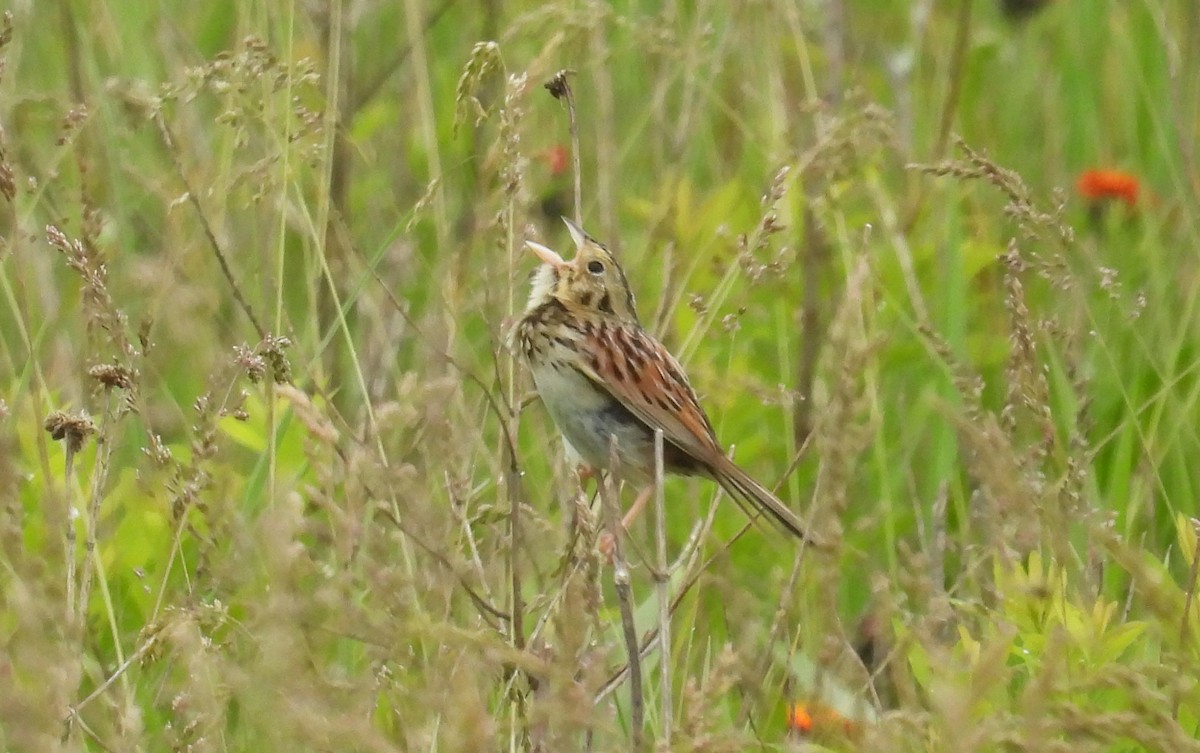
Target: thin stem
point(99, 482)
point(1189, 597)
point(689, 561)
point(1190, 593)
point(209, 234)
point(962, 44)
point(621, 580)
point(607, 161)
point(70, 532)
point(427, 117)
point(141, 651)
point(663, 588)
point(560, 88)
point(367, 91)
point(576, 163)
point(513, 484)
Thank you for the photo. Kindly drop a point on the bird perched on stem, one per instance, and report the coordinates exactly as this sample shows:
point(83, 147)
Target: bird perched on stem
point(602, 377)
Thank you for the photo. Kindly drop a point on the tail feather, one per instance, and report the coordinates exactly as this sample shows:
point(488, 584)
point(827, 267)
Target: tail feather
point(754, 497)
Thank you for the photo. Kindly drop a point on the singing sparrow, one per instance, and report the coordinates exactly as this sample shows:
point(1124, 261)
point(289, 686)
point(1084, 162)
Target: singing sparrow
point(602, 376)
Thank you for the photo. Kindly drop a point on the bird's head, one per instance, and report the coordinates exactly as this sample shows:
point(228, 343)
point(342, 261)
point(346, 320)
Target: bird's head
point(591, 280)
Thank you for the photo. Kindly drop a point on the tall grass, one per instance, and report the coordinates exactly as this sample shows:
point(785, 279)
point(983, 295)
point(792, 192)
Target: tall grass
point(270, 480)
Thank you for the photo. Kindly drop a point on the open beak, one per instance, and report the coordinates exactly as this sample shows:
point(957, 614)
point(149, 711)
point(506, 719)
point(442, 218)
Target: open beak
point(548, 256)
point(577, 234)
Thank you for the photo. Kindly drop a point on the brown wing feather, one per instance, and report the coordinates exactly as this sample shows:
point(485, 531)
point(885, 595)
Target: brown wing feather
point(639, 372)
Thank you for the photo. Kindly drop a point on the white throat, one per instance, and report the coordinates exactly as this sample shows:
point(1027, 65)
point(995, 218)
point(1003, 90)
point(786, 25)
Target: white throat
point(541, 288)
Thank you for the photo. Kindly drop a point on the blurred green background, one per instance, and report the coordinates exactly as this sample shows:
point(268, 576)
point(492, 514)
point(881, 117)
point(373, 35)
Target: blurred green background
point(932, 267)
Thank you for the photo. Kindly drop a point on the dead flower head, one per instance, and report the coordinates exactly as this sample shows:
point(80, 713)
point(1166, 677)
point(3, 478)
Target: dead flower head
point(74, 428)
point(113, 375)
point(558, 85)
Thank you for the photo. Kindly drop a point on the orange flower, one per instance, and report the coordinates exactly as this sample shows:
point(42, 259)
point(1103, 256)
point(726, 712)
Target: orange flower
point(798, 718)
point(816, 718)
point(1104, 185)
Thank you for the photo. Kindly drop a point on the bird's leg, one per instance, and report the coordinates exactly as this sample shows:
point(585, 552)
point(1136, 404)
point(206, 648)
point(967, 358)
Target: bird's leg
point(639, 504)
point(607, 539)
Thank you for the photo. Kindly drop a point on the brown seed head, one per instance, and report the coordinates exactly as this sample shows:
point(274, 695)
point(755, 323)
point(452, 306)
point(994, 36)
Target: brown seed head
point(113, 375)
point(73, 428)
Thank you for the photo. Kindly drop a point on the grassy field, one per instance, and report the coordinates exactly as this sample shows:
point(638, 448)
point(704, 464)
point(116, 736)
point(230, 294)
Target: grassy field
point(269, 479)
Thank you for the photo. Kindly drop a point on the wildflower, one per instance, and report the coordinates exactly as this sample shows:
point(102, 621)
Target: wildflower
point(807, 719)
point(1099, 186)
point(558, 159)
point(798, 718)
point(556, 196)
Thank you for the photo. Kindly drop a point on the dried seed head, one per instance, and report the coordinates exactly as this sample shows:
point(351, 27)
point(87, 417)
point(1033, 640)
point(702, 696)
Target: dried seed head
point(157, 451)
point(485, 58)
point(72, 122)
point(272, 348)
point(252, 363)
point(558, 85)
point(114, 375)
point(74, 428)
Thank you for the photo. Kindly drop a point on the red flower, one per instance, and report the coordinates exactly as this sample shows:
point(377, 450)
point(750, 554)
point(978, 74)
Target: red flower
point(1105, 185)
point(558, 158)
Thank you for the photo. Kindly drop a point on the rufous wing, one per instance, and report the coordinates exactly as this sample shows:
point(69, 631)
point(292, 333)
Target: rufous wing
point(639, 372)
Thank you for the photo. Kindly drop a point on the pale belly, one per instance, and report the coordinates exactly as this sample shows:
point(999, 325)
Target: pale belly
point(589, 418)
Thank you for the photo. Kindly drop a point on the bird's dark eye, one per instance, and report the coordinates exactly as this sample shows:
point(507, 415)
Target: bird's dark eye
point(595, 267)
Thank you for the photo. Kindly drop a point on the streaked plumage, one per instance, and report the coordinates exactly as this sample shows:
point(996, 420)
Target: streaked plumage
point(600, 375)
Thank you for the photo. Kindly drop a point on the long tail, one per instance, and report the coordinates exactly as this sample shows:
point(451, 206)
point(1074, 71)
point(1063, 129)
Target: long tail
point(753, 495)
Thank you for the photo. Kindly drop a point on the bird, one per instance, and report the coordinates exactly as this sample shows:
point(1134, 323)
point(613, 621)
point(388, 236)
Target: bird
point(603, 379)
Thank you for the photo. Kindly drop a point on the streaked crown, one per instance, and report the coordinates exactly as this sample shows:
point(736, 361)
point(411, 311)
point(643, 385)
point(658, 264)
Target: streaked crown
point(592, 280)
